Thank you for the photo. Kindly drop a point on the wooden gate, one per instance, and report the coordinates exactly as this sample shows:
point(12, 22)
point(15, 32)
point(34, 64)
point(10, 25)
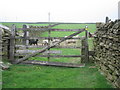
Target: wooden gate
point(18, 56)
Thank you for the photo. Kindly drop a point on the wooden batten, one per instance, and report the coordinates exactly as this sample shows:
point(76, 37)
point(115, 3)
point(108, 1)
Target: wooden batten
point(58, 64)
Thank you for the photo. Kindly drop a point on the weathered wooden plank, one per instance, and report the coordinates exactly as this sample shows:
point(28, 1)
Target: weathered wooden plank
point(49, 26)
point(19, 37)
point(44, 49)
point(4, 38)
point(40, 46)
point(52, 52)
point(58, 64)
point(33, 29)
point(65, 30)
point(59, 56)
point(26, 51)
point(47, 29)
point(33, 51)
point(68, 56)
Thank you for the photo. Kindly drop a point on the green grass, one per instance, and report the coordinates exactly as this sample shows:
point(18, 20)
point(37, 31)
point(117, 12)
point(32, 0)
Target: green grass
point(0, 80)
point(18, 25)
point(39, 24)
point(23, 76)
point(64, 51)
point(91, 27)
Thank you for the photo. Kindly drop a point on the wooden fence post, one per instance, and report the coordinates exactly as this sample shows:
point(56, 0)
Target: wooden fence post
point(86, 46)
point(12, 44)
point(49, 32)
point(83, 51)
point(8, 47)
point(26, 34)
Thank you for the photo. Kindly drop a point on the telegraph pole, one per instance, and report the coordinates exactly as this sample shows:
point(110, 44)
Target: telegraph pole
point(49, 17)
point(119, 10)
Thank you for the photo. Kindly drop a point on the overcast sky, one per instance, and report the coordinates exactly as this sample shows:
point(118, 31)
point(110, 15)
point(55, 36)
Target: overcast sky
point(60, 10)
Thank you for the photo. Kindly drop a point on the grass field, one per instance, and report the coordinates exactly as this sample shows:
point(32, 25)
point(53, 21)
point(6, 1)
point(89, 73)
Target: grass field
point(21, 76)
point(28, 76)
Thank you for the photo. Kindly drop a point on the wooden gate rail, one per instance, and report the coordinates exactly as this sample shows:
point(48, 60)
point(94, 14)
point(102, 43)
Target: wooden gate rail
point(68, 56)
point(40, 46)
point(46, 63)
point(66, 30)
point(20, 37)
point(46, 29)
point(33, 29)
point(53, 55)
point(49, 26)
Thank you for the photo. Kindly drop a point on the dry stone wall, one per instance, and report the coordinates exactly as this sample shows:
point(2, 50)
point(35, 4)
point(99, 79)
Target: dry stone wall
point(107, 50)
point(4, 42)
